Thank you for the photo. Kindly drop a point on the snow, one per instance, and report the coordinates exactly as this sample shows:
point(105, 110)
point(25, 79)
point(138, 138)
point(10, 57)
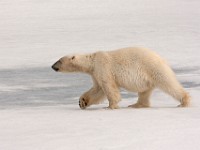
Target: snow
point(39, 108)
point(68, 127)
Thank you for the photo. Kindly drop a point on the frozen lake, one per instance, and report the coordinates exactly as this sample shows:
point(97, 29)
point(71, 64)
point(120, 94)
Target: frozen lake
point(43, 86)
point(40, 86)
point(39, 107)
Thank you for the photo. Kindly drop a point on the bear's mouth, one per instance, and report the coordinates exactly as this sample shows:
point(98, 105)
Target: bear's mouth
point(55, 68)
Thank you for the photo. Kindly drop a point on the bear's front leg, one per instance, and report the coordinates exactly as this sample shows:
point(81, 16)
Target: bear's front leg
point(83, 103)
point(94, 96)
point(113, 95)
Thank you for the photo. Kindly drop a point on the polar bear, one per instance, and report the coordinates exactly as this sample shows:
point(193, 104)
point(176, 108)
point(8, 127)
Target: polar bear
point(134, 69)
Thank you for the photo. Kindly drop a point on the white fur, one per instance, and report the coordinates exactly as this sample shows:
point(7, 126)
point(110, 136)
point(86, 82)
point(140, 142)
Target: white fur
point(135, 69)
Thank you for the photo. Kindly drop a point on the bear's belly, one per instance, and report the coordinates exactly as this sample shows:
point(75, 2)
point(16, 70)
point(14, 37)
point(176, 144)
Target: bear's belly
point(133, 81)
point(133, 86)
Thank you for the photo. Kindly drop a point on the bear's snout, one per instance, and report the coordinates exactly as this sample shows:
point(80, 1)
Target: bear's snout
point(56, 66)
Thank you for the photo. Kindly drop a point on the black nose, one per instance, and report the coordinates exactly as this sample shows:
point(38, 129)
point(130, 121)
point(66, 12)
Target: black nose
point(56, 66)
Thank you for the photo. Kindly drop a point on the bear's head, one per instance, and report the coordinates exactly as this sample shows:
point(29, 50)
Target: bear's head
point(76, 63)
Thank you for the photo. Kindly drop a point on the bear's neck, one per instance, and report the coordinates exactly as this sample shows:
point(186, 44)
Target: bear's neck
point(86, 65)
point(85, 68)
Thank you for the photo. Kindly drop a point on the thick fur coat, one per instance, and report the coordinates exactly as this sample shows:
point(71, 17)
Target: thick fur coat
point(134, 69)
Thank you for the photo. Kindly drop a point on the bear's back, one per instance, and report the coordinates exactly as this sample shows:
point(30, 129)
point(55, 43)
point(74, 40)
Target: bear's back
point(136, 65)
point(134, 55)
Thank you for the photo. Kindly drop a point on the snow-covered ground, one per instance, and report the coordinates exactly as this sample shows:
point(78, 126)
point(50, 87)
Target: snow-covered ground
point(39, 108)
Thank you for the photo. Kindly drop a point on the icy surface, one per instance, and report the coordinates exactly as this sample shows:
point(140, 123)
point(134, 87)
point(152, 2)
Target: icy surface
point(39, 108)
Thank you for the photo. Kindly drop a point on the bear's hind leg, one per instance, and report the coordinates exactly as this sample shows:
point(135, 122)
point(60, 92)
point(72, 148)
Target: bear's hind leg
point(185, 100)
point(143, 99)
point(177, 92)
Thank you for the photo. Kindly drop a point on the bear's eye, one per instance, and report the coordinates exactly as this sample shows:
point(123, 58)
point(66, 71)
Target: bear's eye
point(73, 57)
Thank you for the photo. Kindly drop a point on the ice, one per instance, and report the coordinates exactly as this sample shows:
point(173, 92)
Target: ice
point(39, 107)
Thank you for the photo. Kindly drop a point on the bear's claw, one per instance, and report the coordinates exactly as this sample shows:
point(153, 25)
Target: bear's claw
point(82, 103)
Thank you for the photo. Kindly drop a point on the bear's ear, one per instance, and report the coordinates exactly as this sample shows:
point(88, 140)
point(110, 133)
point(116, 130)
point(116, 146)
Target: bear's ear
point(73, 57)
